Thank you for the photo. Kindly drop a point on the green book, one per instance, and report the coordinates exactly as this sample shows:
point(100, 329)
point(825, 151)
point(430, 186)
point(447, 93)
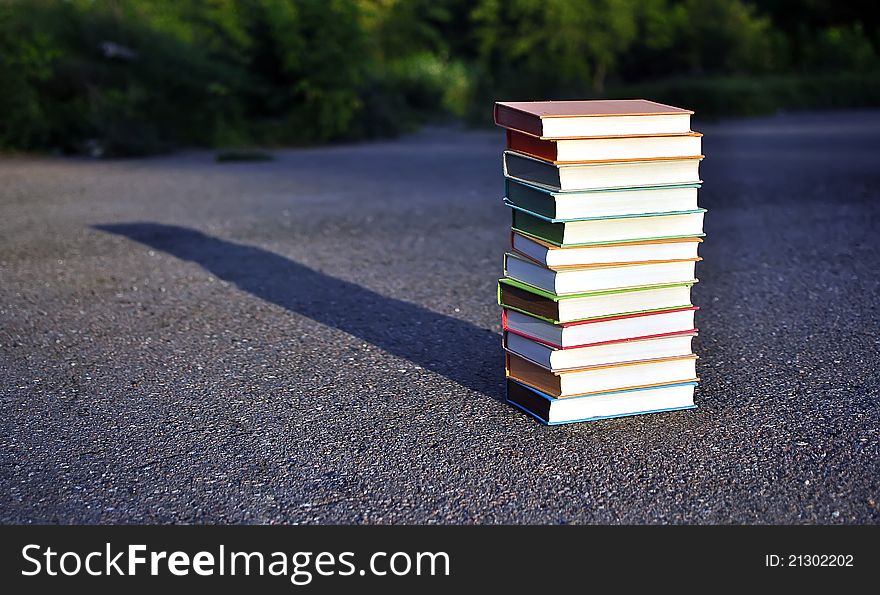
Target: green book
point(610, 229)
point(547, 306)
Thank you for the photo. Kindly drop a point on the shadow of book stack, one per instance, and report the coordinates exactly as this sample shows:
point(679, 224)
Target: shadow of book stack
point(596, 294)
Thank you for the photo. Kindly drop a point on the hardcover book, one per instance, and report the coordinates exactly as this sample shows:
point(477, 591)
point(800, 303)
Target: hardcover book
point(553, 411)
point(515, 295)
point(592, 204)
point(548, 255)
point(673, 171)
point(609, 230)
point(578, 119)
point(605, 378)
point(608, 148)
point(581, 279)
point(557, 360)
point(642, 325)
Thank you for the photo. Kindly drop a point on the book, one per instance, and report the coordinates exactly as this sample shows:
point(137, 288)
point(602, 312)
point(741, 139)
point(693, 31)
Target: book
point(604, 378)
point(552, 411)
point(608, 148)
point(581, 279)
point(608, 230)
point(591, 204)
point(574, 119)
point(552, 256)
point(557, 360)
point(536, 302)
point(602, 175)
point(641, 325)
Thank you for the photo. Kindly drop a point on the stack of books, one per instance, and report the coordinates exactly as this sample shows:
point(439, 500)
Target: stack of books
point(596, 294)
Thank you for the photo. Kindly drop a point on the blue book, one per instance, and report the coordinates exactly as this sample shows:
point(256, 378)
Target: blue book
point(637, 401)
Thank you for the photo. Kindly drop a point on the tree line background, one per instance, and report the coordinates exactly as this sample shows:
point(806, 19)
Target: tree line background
point(140, 76)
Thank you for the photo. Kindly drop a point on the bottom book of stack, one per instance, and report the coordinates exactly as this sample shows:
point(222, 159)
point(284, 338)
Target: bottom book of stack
point(633, 401)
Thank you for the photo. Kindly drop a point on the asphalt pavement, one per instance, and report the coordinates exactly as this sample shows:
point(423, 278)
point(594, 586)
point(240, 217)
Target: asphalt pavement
point(315, 340)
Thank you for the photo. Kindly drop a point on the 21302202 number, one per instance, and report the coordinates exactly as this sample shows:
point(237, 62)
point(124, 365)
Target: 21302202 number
point(820, 560)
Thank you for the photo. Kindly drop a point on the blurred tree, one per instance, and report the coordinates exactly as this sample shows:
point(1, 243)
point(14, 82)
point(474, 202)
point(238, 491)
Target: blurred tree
point(28, 57)
point(802, 22)
point(137, 76)
point(555, 43)
point(308, 63)
point(701, 37)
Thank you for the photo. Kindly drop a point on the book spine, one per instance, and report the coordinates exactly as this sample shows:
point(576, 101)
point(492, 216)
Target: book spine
point(530, 374)
point(517, 120)
point(518, 299)
point(528, 400)
point(531, 199)
point(531, 145)
point(533, 226)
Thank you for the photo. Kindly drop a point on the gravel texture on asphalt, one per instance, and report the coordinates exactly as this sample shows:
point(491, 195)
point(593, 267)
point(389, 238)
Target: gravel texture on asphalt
point(316, 340)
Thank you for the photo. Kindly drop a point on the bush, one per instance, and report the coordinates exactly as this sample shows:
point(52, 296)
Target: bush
point(133, 77)
point(751, 96)
point(82, 77)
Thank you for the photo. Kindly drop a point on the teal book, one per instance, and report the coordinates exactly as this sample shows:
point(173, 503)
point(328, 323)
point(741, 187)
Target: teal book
point(602, 175)
point(563, 206)
point(637, 401)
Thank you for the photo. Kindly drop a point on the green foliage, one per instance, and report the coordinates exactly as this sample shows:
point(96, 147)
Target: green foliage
point(131, 77)
point(79, 73)
point(754, 95)
point(28, 57)
point(430, 85)
point(842, 47)
point(559, 43)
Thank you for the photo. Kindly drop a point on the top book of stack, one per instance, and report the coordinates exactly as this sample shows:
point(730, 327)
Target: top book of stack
point(590, 119)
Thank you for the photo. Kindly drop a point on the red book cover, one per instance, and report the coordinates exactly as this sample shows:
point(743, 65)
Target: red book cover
point(506, 327)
